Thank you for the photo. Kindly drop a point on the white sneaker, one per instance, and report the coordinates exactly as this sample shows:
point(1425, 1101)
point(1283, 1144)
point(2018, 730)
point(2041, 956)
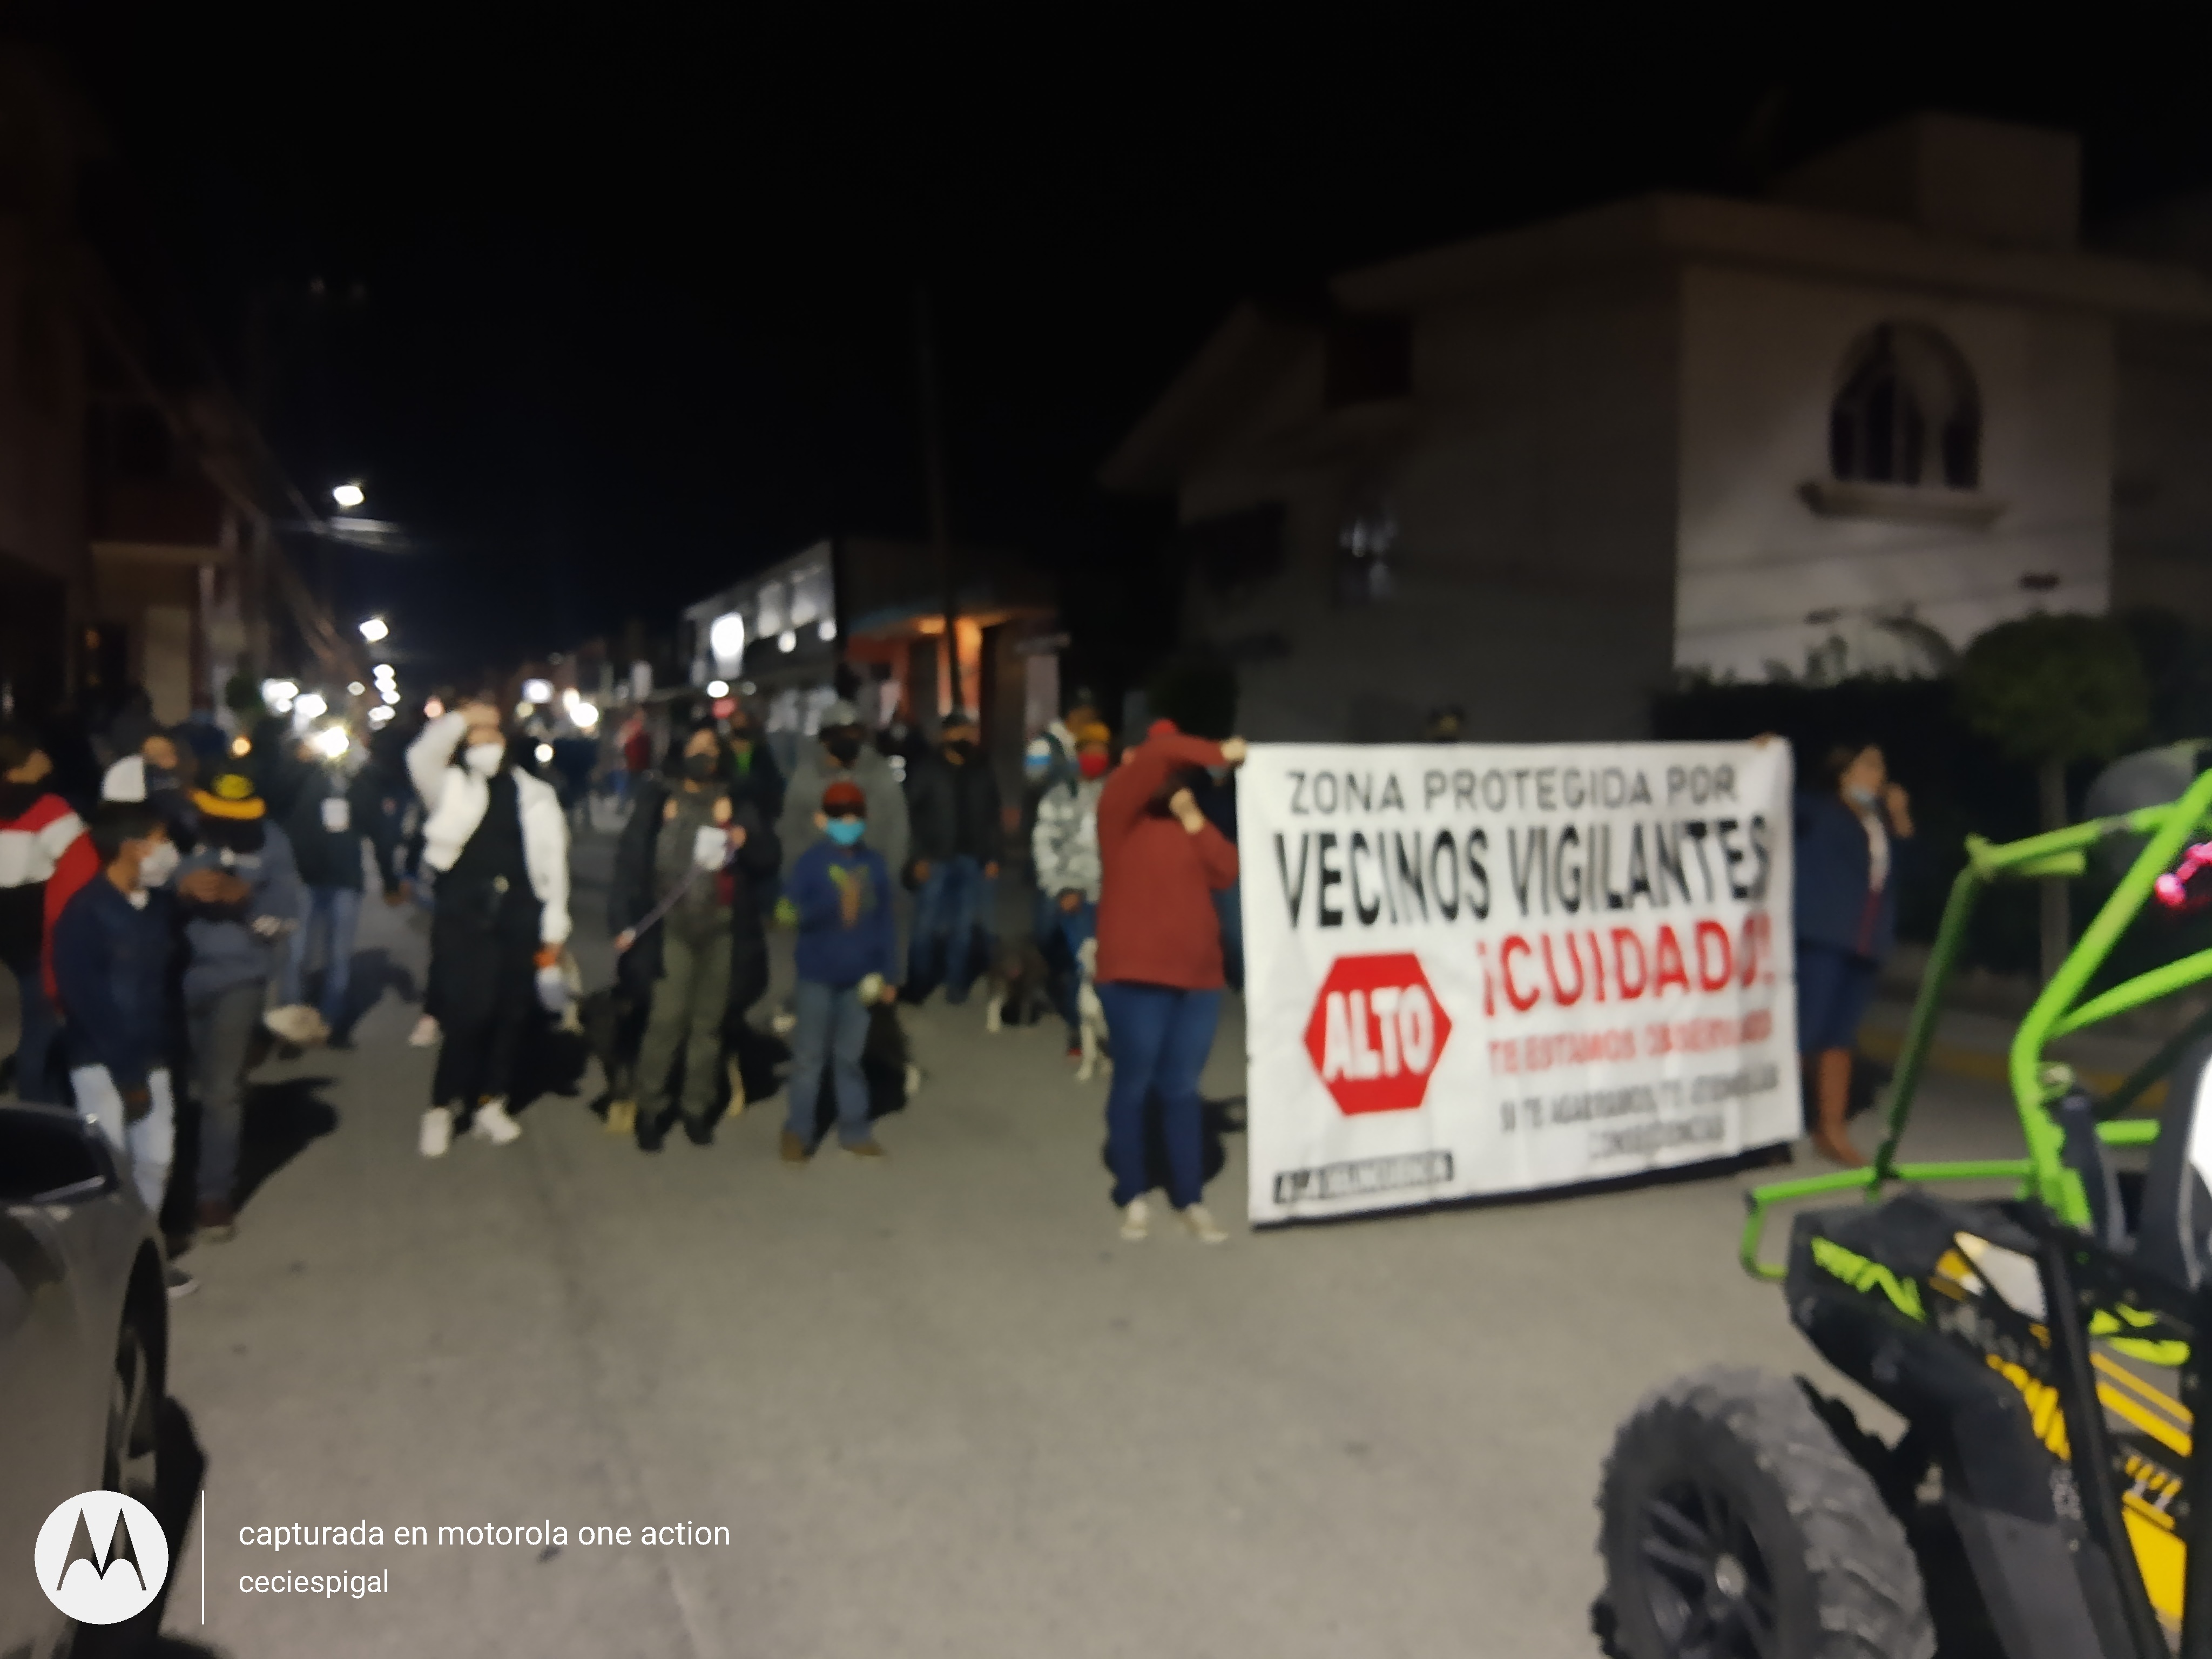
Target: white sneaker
point(493, 1124)
point(425, 1033)
point(1203, 1227)
point(1136, 1219)
point(437, 1131)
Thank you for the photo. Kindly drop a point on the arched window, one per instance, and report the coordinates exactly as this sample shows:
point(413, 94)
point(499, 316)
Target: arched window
point(1907, 412)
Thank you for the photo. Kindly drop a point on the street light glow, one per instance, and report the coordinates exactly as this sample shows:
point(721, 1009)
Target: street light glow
point(726, 638)
point(373, 630)
point(788, 640)
point(717, 688)
point(310, 706)
point(354, 688)
point(349, 496)
point(279, 694)
point(332, 741)
point(382, 672)
point(544, 753)
point(390, 694)
point(538, 690)
point(584, 715)
point(828, 629)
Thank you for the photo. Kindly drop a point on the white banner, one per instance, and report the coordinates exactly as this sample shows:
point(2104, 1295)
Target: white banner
point(1486, 969)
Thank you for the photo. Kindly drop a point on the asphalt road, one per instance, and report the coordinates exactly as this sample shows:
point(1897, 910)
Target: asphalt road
point(939, 1406)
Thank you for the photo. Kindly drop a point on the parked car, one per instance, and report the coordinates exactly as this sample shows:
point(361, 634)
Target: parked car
point(84, 1349)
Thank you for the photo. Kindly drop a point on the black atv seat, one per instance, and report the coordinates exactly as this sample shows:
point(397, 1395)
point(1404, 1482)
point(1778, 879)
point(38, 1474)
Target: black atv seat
point(2177, 1203)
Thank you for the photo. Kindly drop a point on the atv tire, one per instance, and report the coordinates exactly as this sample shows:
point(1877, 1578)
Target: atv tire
point(1734, 1524)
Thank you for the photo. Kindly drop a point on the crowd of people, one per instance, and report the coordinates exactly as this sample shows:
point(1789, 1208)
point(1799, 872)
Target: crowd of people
point(167, 895)
point(1122, 855)
point(197, 907)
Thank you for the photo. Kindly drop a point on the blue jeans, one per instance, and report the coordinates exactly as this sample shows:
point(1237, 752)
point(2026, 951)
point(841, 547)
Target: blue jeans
point(338, 910)
point(1071, 929)
point(1161, 1038)
point(35, 1050)
point(956, 899)
point(833, 1028)
point(1229, 905)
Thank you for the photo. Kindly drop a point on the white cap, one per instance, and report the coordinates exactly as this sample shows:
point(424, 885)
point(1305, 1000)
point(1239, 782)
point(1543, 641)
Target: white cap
point(125, 780)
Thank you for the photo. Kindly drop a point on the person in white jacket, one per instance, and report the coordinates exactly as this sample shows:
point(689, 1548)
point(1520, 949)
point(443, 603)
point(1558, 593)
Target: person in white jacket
point(1064, 850)
point(499, 842)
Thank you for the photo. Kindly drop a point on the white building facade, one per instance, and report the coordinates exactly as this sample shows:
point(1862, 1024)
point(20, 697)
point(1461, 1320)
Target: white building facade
point(1539, 475)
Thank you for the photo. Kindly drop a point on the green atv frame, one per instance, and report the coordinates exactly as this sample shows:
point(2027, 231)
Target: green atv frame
point(2041, 1350)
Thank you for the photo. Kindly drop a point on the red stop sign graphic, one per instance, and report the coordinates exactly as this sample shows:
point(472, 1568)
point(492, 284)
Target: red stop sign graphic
point(1376, 1033)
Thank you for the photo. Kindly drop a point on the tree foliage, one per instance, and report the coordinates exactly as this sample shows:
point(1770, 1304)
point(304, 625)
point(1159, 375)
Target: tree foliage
point(2056, 689)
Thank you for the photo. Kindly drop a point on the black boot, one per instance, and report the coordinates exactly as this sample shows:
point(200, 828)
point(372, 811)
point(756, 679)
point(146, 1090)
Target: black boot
point(699, 1131)
point(650, 1128)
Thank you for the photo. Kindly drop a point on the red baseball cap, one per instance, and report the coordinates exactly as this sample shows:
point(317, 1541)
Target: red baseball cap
point(844, 797)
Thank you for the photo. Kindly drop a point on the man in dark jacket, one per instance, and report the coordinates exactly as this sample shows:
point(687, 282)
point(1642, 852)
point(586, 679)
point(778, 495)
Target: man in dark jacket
point(383, 794)
point(952, 799)
point(329, 829)
point(646, 872)
point(240, 894)
point(755, 778)
point(111, 951)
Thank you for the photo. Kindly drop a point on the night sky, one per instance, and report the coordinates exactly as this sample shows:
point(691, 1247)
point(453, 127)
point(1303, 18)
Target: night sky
point(614, 310)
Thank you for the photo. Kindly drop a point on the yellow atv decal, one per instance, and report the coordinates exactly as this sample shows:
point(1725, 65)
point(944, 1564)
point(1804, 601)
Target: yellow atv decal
point(1861, 1274)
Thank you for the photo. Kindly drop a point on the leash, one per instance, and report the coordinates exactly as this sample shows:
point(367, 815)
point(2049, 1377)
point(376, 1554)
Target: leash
point(653, 917)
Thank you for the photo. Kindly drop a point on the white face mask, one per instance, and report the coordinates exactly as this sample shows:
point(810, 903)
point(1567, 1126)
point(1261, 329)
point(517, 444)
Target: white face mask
point(484, 758)
point(155, 868)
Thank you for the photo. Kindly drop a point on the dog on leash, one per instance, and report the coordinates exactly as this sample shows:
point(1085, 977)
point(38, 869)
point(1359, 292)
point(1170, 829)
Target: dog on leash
point(613, 1019)
point(1090, 1015)
point(1021, 987)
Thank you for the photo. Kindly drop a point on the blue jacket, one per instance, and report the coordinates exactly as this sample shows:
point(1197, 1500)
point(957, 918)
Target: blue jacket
point(830, 951)
point(226, 951)
point(1834, 865)
point(111, 962)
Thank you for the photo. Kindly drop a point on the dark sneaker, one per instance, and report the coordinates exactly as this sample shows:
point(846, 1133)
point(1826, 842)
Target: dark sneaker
point(698, 1132)
point(180, 1283)
point(218, 1221)
point(793, 1149)
point(862, 1148)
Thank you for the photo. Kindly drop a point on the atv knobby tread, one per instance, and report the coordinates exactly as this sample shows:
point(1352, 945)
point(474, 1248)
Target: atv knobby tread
point(1865, 1586)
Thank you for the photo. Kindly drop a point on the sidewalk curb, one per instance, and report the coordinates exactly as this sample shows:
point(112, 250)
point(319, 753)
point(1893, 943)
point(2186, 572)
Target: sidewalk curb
point(1952, 1059)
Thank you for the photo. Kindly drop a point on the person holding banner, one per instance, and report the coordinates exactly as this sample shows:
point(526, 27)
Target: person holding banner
point(1159, 961)
point(1852, 835)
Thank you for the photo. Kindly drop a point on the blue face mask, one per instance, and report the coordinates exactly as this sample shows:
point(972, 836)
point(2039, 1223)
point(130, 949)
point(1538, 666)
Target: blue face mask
point(847, 832)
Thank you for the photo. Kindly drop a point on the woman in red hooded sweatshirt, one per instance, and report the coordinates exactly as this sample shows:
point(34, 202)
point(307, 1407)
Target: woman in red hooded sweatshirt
point(1159, 961)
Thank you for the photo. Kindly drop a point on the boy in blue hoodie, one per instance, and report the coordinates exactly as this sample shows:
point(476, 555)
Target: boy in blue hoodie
point(847, 957)
point(111, 957)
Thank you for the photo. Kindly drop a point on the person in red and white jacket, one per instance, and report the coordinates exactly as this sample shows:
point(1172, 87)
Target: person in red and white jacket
point(37, 829)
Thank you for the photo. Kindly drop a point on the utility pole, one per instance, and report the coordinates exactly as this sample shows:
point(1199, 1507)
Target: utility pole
point(933, 454)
